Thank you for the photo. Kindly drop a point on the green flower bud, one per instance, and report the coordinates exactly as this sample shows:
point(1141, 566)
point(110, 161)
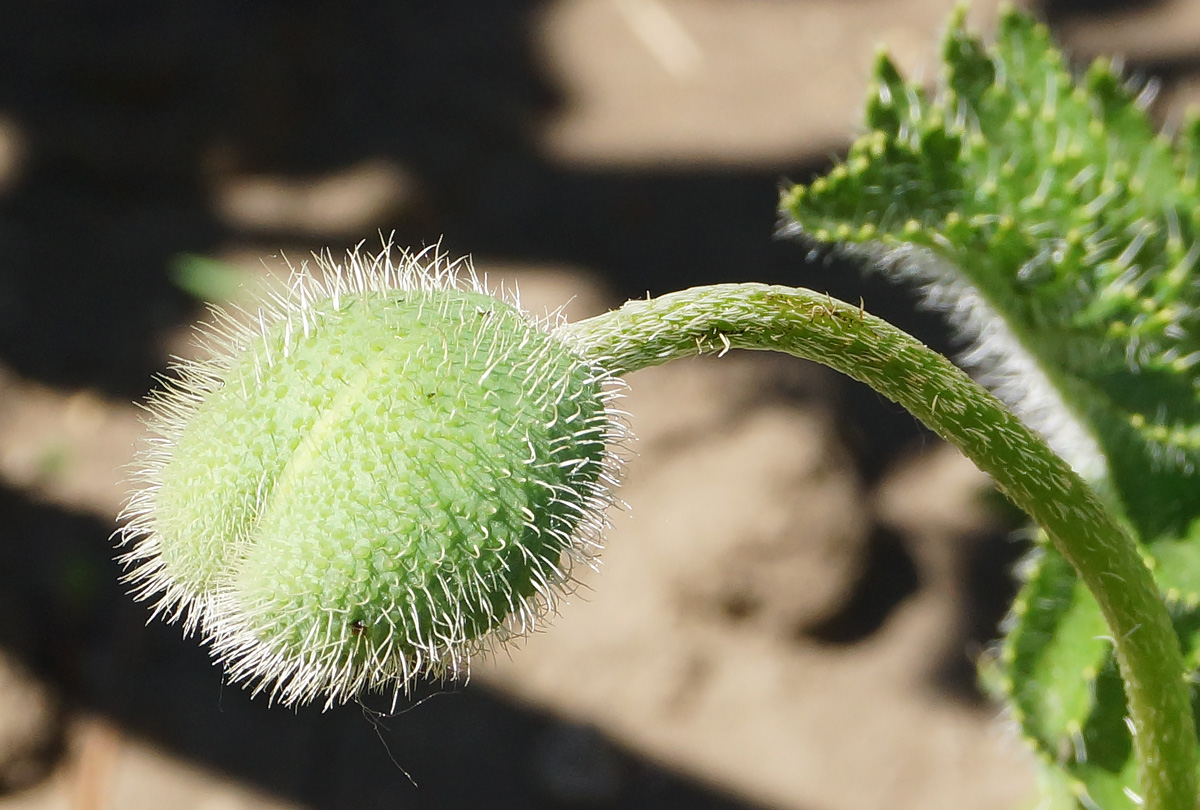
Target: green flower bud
point(386, 474)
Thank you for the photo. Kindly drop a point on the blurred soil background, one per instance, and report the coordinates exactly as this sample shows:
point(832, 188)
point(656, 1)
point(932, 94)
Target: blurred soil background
point(789, 610)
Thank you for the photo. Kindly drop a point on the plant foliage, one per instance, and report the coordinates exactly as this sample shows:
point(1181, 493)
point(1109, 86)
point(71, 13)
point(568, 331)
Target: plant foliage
point(1041, 207)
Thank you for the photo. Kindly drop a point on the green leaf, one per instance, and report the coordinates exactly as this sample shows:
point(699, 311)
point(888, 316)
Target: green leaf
point(1057, 671)
point(1052, 656)
point(205, 279)
point(1039, 205)
point(1049, 211)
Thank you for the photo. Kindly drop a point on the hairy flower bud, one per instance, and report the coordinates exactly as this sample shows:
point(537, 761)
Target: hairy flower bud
point(385, 474)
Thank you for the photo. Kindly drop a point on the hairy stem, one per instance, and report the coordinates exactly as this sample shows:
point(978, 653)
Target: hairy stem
point(813, 326)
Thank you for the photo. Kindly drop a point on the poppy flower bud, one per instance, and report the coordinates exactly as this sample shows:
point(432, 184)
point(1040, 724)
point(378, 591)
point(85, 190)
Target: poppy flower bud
point(386, 473)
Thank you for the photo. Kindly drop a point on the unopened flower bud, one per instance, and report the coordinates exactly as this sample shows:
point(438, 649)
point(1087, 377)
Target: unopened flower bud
point(381, 475)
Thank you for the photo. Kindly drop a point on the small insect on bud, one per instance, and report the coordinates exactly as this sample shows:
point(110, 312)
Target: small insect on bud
point(388, 471)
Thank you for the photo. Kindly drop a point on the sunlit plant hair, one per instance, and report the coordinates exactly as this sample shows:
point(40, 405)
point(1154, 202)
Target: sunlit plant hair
point(376, 472)
point(385, 472)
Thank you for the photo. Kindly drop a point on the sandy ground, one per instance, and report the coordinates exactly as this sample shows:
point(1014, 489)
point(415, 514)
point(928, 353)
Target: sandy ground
point(788, 608)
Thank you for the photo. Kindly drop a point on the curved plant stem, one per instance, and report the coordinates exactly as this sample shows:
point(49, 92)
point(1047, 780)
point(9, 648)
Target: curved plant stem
point(813, 326)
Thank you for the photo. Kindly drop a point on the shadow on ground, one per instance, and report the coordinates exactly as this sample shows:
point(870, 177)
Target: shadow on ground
point(124, 114)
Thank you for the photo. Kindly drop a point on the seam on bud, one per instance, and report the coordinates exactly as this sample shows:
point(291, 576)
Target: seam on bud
point(387, 472)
